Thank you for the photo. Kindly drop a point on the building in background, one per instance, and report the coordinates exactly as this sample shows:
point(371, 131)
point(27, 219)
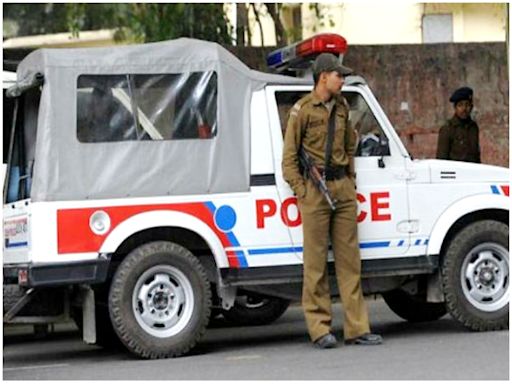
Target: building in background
point(104, 37)
point(384, 23)
point(361, 23)
point(416, 101)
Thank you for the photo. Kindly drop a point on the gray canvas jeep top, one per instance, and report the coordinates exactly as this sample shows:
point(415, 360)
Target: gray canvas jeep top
point(210, 87)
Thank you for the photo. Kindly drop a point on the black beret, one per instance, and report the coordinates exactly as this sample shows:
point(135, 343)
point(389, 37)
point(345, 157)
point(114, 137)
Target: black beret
point(464, 93)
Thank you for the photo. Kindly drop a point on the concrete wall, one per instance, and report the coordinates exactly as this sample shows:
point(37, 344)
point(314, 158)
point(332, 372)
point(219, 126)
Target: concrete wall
point(414, 82)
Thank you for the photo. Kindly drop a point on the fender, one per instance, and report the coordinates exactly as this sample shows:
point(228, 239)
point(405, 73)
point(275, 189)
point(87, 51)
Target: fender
point(459, 209)
point(153, 219)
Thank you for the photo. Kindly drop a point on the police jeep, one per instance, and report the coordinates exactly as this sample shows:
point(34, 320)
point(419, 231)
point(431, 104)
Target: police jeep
point(144, 194)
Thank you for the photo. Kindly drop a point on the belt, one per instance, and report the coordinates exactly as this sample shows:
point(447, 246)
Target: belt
point(333, 173)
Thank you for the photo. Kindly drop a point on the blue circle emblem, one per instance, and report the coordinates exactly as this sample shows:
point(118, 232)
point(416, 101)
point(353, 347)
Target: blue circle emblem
point(225, 218)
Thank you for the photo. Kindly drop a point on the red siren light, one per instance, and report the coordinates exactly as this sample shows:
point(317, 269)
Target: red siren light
point(326, 42)
point(300, 55)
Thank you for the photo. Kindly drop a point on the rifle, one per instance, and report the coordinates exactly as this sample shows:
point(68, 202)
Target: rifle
point(309, 166)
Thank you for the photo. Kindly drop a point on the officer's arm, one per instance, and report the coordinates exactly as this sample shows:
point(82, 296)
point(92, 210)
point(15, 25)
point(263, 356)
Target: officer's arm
point(292, 143)
point(443, 143)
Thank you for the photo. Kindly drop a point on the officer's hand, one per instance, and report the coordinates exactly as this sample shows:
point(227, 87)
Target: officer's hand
point(301, 191)
point(352, 177)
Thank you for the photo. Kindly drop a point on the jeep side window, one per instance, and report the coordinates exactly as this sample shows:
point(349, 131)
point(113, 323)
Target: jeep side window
point(114, 108)
point(372, 139)
point(102, 117)
point(285, 101)
point(361, 117)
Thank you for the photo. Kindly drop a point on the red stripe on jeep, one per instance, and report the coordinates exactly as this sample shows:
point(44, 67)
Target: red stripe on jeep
point(74, 234)
point(233, 259)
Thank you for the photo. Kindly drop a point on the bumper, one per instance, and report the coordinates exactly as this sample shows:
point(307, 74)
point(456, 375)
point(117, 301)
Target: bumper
point(54, 274)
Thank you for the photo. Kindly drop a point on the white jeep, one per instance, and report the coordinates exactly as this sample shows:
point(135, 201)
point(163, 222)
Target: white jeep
point(144, 194)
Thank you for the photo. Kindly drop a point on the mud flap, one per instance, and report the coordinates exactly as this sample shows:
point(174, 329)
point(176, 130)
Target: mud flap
point(89, 316)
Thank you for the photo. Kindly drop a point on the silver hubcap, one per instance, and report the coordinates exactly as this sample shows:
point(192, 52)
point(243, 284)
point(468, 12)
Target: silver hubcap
point(484, 277)
point(163, 301)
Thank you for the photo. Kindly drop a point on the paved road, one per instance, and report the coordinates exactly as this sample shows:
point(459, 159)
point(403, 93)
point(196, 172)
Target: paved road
point(436, 350)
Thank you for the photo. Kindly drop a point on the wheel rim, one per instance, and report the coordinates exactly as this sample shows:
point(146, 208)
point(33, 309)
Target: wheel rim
point(163, 301)
point(485, 277)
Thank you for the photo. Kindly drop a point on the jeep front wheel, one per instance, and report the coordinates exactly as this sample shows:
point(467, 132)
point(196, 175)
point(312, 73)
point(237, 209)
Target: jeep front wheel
point(476, 280)
point(160, 300)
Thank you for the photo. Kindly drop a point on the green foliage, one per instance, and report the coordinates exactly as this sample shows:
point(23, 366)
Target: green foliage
point(322, 15)
point(35, 19)
point(146, 22)
point(75, 14)
point(140, 22)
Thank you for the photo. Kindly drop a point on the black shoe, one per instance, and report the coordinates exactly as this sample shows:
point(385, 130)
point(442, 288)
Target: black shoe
point(365, 339)
point(326, 341)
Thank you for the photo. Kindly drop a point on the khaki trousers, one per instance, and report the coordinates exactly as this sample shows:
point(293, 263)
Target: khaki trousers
point(320, 224)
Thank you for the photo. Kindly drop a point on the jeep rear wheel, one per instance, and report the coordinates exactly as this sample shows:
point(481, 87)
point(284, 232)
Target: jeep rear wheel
point(476, 280)
point(254, 309)
point(413, 308)
point(160, 300)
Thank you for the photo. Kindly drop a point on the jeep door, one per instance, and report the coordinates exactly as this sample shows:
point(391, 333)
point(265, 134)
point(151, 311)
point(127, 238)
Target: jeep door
point(381, 179)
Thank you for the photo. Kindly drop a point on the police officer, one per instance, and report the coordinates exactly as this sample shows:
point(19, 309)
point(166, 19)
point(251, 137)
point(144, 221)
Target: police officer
point(308, 127)
point(458, 138)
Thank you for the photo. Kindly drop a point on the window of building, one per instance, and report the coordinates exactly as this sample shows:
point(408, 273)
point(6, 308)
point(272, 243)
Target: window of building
point(438, 28)
point(112, 108)
point(372, 139)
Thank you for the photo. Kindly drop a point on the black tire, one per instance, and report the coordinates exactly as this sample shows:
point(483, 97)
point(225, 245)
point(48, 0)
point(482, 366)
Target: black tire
point(43, 302)
point(171, 307)
point(476, 276)
point(12, 294)
point(255, 309)
point(413, 308)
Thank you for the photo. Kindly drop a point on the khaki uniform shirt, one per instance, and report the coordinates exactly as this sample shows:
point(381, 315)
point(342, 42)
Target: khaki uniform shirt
point(308, 125)
point(458, 140)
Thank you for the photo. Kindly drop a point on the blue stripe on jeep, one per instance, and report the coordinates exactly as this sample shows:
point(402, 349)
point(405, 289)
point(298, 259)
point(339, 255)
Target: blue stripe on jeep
point(13, 245)
point(241, 259)
point(274, 250)
point(266, 251)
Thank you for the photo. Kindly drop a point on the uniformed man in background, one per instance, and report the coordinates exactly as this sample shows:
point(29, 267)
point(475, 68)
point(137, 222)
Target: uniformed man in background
point(458, 138)
point(308, 128)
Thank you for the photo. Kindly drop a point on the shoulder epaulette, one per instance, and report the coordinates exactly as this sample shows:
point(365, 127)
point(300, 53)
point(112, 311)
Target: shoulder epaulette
point(298, 105)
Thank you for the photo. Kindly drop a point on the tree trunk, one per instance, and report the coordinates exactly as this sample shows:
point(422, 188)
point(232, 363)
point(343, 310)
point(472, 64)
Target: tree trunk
point(241, 23)
point(257, 16)
point(274, 11)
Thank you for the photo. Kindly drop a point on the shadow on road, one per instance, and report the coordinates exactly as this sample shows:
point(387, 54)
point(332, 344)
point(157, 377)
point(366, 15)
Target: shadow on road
point(220, 336)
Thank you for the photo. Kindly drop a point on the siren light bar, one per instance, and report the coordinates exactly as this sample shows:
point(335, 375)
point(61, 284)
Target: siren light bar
point(300, 55)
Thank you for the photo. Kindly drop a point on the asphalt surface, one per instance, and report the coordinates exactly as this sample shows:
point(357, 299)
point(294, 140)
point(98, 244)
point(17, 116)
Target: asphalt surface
point(429, 351)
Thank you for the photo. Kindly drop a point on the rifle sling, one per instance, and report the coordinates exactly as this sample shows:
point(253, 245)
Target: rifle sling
point(330, 137)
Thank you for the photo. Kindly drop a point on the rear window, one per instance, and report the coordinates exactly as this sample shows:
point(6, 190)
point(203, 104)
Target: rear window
point(114, 108)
